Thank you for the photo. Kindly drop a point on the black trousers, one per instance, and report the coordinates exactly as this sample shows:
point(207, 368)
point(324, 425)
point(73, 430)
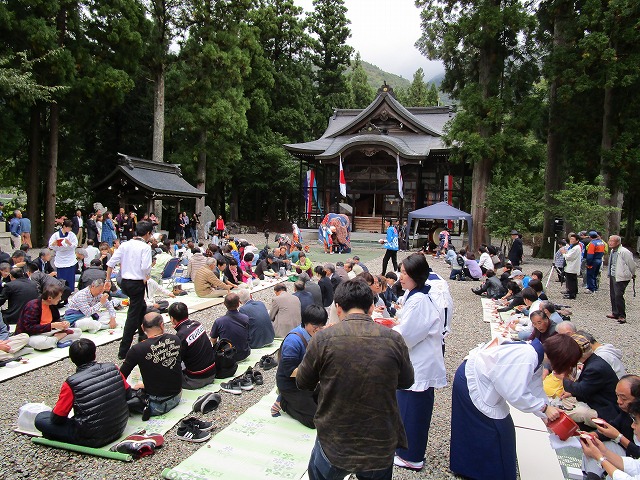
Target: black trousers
point(301, 405)
point(134, 289)
point(393, 255)
point(616, 292)
point(572, 284)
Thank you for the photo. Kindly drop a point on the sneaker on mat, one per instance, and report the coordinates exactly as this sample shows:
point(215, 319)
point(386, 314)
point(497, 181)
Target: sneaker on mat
point(198, 423)
point(135, 448)
point(257, 377)
point(245, 382)
point(232, 386)
point(191, 433)
point(156, 438)
point(402, 463)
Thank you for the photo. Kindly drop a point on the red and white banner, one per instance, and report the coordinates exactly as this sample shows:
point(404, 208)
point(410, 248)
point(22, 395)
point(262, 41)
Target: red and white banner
point(448, 195)
point(343, 183)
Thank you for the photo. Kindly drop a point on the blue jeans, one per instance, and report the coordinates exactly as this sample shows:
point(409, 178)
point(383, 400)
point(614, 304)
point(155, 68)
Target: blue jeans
point(592, 275)
point(320, 468)
point(160, 408)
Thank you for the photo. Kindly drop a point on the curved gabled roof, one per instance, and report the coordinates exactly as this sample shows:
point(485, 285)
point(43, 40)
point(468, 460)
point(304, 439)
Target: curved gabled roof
point(160, 179)
point(421, 130)
point(404, 115)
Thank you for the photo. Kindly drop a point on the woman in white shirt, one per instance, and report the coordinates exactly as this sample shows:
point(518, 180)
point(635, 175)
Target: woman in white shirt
point(64, 243)
point(483, 439)
point(422, 327)
point(485, 261)
point(573, 256)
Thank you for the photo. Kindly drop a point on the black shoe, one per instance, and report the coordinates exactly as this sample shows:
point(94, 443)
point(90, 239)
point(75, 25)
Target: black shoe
point(268, 362)
point(196, 422)
point(191, 433)
point(622, 320)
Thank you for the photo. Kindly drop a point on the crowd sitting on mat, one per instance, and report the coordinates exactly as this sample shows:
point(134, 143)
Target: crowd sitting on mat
point(327, 321)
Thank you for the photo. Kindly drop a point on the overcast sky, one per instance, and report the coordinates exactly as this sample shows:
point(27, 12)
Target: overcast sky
point(384, 32)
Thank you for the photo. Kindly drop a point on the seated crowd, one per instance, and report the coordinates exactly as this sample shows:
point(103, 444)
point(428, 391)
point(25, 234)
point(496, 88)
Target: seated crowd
point(357, 305)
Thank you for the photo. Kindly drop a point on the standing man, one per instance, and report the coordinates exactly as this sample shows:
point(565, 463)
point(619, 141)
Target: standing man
point(134, 258)
point(78, 225)
point(593, 255)
point(622, 269)
point(14, 228)
point(350, 438)
point(391, 245)
point(64, 243)
point(516, 251)
point(25, 231)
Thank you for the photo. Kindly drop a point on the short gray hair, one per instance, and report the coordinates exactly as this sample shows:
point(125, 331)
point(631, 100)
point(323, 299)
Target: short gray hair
point(211, 261)
point(330, 266)
point(243, 295)
point(565, 327)
point(98, 282)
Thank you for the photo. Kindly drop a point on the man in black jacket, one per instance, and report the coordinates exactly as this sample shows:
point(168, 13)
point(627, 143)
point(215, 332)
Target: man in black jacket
point(17, 292)
point(516, 251)
point(196, 350)
point(97, 393)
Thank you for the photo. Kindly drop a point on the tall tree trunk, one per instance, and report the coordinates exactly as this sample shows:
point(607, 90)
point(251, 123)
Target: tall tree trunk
point(54, 138)
point(33, 186)
point(554, 141)
point(480, 181)
point(612, 219)
point(52, 176)
point(481, 176)
point(201, 177)
point(157, 154)
point(632, 214)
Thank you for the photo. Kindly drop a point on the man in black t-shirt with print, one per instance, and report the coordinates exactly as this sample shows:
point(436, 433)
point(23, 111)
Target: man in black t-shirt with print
point(160, 365)
point(196, 350)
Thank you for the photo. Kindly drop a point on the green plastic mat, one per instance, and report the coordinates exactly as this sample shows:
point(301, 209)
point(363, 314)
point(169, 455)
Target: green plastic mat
point(255, 446)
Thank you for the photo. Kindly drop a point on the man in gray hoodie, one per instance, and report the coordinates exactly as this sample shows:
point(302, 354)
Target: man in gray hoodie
point(607, 352)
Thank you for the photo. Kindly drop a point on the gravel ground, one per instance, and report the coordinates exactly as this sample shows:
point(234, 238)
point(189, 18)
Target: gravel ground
point(23, 460)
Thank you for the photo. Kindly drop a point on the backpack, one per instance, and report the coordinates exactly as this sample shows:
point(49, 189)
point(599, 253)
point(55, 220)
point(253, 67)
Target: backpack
point(225, 353)
point(460, 260)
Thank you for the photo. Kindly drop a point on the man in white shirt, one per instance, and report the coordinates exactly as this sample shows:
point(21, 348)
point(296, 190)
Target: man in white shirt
point(92, 252)
point(134, 258)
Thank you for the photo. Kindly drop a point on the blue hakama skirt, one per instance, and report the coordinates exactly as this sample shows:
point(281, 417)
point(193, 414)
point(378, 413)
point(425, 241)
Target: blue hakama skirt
point(481, 448)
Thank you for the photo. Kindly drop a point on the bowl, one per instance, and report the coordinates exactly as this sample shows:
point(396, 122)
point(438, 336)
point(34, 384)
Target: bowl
point(563, 426)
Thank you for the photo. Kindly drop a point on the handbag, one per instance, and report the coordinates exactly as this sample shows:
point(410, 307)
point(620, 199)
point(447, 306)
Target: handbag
point(225, 353)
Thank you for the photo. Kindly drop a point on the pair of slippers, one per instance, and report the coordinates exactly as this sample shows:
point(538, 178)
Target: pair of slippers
point(207, 403)
point(267, 362)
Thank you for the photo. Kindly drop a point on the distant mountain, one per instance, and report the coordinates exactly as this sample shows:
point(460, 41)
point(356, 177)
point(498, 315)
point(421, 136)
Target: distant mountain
point(377, 76)
point(437, 79)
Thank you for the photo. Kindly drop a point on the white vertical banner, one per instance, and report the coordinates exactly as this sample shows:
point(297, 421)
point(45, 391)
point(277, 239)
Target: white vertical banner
point(399, 176)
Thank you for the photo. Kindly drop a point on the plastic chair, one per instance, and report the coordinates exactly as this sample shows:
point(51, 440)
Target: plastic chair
point(169, 271)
